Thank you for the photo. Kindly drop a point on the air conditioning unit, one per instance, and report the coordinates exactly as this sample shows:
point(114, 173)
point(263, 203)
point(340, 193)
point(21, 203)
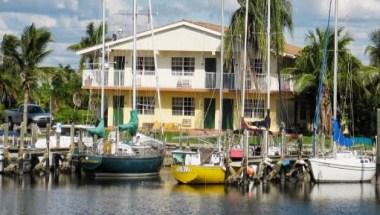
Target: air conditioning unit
point(184, 83)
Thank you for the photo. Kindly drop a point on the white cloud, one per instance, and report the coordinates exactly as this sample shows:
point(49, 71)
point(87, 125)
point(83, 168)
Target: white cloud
point(349, 9)
point(67, 4)
point(27, 19)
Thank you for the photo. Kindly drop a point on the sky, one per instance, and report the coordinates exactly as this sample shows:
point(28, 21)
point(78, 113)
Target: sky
point(67, 19)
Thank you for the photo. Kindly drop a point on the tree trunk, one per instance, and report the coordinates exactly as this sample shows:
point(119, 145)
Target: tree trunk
point(25, 114)
point(325, 112)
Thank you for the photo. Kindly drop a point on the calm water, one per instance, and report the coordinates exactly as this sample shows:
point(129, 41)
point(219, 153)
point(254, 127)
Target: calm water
point(70, 195)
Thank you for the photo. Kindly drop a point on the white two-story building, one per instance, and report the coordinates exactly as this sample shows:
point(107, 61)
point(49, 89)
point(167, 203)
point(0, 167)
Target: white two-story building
point(188, 68)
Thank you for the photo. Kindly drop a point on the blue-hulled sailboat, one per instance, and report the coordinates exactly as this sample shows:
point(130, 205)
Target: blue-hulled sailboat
point(140, 156)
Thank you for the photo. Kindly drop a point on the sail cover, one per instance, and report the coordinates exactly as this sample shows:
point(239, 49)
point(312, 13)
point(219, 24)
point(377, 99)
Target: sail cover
point(99, 130)
point(338, 135)
point(132, 125)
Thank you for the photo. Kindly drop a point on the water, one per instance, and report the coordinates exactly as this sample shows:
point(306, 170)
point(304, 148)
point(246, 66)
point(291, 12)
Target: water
point(71, 195)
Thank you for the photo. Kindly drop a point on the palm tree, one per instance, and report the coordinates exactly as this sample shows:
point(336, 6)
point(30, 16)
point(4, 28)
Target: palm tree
point(93, 37)
point(308, 65)
point(281, 19)
point(374, 50)
point(27, 52)
point(9, 84)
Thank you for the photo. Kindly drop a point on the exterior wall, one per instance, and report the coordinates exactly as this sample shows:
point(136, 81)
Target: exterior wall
point(178, 39)
point(197, 121)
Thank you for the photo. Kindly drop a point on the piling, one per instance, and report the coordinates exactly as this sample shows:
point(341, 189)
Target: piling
point(378, 149)
point(34, 134)
point(47, 166)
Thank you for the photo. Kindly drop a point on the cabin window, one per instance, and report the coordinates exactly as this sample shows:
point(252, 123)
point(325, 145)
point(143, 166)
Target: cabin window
point(254, 108)
point(145, 105)
point(145, 65)
point(183, 66)
point(183, 106)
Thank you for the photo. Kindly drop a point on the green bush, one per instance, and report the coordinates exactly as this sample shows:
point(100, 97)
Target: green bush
point(2, 108)
point(66, 114)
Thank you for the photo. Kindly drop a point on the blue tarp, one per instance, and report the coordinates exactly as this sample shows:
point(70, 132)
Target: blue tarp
point(338, 136)
point(362, 140)
point(347, 141)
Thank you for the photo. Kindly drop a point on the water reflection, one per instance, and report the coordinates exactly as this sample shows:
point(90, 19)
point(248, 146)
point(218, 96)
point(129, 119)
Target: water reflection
point(66, 194)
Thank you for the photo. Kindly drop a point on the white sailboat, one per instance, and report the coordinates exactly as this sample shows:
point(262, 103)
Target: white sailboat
point(343, 166)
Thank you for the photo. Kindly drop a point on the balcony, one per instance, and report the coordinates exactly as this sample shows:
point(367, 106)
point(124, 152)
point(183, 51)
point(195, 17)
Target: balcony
point(200, 80)
point(211, 81)
point(92, 78)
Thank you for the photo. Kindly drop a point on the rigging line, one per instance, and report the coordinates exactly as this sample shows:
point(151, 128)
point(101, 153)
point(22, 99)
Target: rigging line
point(316, 119)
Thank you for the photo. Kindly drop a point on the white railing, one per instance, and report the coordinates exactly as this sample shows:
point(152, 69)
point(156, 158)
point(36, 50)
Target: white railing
point(210, 80)
point(118, 77)
point(229, 81)
point(92, 78)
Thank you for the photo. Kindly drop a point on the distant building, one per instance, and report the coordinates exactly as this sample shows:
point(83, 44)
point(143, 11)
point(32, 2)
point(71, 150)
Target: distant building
point(188, 64)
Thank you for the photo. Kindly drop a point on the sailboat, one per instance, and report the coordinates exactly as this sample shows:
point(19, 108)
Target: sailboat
point(141, 156)
point(187, 167)
point(342, 166)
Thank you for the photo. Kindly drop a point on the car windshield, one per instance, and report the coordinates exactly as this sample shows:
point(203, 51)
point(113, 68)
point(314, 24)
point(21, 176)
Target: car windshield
point(35, 109)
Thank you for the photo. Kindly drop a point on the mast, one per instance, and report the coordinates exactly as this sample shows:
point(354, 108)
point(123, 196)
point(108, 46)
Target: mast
point(134, 58)
point(335, 68)
point(155, 66)
point(221, 78)
point(103, 54)
point(268, 78)
point(244, 60)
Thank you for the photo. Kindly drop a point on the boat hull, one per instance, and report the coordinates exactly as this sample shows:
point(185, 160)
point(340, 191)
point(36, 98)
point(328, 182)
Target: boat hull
point(198, 174)
point(131, 166)
point(335, 170)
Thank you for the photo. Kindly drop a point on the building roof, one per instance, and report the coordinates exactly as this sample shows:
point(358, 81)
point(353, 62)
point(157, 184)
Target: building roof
point(214, 29)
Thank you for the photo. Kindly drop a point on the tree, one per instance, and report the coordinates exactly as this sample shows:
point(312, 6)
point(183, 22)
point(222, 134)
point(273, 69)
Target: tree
point(352, 75)
point(373, 50)
point(93, 37)
point(9, 84)
point(27, 52)
point(281, 20)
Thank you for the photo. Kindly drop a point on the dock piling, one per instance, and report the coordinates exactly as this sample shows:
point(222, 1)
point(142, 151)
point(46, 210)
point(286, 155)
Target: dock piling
point(47, 147)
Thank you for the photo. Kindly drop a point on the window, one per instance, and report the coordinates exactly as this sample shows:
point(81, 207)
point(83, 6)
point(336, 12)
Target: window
point(183, 66)
point(254, 108)
point(183, 106)
point(119, 62)
point(145, 105)
point(145, 65)
point(258, 65)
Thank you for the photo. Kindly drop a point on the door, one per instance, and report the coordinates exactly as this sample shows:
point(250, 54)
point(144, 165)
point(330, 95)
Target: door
point(210, 68)
point(227, 119)
point(118, 106)
point(209, 113)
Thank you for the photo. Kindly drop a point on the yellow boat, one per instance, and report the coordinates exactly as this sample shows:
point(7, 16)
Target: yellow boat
point(188, 169)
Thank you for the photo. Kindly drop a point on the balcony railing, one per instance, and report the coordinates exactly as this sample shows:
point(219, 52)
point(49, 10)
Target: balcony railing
point(229, 81)
point(118, 78)
point(92, 78)
point(210, 81)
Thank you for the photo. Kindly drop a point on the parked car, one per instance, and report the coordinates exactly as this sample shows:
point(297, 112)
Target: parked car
point(35, 115)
